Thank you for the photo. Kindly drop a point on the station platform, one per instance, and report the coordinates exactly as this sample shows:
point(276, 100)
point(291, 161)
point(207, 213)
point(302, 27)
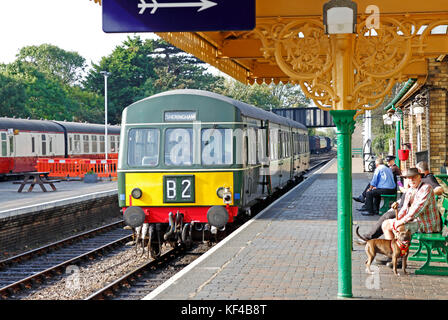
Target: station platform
point(14, 203)
point(31, 219)
point(289, 252)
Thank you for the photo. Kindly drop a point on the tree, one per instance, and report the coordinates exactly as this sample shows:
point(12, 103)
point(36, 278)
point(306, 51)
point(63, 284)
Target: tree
point(12, 97)
point(66, 66)
point(143, 68)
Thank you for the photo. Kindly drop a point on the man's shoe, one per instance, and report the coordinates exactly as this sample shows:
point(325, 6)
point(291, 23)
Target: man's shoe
point(359, 199)
point(367, 213)
point(363, 209)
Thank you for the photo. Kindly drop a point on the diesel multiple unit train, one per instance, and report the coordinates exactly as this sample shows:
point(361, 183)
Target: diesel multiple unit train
point(24, 141)
point(192, 160)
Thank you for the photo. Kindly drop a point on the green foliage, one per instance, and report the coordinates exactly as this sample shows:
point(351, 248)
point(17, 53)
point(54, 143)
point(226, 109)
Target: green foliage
point(54, 62)
point(48, 82)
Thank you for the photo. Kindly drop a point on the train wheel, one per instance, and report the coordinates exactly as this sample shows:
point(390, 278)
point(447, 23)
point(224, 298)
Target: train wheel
point(187, 239)
point(154, 245)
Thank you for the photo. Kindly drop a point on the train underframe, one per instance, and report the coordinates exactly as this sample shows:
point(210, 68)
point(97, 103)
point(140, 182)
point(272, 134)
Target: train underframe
point(155, 226)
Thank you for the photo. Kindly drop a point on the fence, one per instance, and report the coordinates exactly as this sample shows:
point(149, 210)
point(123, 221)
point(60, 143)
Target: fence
point(69, 168)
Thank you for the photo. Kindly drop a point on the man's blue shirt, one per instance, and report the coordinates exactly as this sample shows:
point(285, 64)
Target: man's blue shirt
point(383, 178)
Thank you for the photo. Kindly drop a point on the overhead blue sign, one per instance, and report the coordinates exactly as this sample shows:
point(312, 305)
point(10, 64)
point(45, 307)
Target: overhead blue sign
point(177, 15)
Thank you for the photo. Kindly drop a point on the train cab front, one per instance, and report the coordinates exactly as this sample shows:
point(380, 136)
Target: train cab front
point(178, 208)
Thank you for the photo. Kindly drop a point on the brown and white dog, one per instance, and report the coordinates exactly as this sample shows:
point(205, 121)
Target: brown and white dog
point(396, 248)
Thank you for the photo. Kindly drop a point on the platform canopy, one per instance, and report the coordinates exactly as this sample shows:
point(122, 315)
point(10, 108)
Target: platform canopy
point(289, 44)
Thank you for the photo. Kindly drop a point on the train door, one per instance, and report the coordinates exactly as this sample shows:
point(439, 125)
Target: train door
point(274, 156)
point(6, 159)
point(263, 157)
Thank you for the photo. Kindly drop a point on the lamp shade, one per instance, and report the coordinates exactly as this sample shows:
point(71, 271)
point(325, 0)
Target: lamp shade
point(340, 16)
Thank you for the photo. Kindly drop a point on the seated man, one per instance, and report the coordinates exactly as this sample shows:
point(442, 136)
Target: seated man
point(376, 231)
point(419, 204)
point(381, 183)
point(428, 177)
point(390, 161)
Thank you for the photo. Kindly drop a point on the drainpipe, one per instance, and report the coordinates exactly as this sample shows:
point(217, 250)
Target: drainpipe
point(397, 140)
point(428, 132)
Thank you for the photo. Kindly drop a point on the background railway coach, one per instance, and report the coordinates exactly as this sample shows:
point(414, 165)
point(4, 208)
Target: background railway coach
point(23, 141)
point(193, 160)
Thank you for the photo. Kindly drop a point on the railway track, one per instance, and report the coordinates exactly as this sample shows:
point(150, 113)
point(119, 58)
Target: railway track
point(32, 268)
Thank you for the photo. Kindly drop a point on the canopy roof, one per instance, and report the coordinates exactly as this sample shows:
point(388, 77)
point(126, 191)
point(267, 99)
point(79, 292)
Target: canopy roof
point(289, 44)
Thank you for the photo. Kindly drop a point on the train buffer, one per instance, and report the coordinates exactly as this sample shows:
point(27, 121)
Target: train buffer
point(33, 178)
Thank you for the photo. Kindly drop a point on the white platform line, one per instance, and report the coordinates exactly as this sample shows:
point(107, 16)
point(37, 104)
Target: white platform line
point(181, 273)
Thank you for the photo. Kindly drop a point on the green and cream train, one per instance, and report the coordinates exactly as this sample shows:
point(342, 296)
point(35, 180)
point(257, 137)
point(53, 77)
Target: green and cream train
point(193, 160)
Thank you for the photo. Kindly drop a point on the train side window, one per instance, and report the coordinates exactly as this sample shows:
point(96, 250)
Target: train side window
point(101, 144)
point(77, 145)
point(179, 147)
point(94, 144)
point(112, 143)
point(85, 139)
point(4, 146)
point(261, 146)
point(44, 145)
point(252, 146)
point(143, 147)
point(33, 145)
point(274, 144)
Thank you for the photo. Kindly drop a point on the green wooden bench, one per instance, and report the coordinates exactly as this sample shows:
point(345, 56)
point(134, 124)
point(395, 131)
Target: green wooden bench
point(433, 248)
point(387, 200)
point(356, 152)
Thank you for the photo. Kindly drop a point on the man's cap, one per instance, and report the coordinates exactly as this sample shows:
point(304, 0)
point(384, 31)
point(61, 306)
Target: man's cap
point(411, 172)
point(388, 158)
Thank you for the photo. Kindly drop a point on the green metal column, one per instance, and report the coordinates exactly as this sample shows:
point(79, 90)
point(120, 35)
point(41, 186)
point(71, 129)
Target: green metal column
point(345, 126)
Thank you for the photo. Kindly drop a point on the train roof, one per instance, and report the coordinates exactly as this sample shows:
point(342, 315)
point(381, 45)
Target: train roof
point(83, 127)
point(29, 125)
point(55, 126)
point(244, 108)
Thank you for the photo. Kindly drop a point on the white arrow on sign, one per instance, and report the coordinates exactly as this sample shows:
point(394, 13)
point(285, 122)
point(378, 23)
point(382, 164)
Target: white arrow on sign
point(203, 4)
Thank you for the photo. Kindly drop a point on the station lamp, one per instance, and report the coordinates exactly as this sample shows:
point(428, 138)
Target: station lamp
point(105, 74)
point(340, 16)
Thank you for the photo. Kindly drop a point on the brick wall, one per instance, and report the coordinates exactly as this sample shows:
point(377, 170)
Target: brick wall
point(437, 83)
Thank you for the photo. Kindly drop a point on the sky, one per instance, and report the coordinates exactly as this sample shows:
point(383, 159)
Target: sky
point(72, 25)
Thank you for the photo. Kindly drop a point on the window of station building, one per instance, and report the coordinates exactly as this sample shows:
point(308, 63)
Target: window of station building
point(85, 139)
point(4, 145)
point(94, 144)
point(44, 145)
point(179, 147)
point(216, 146)
point(143, 147)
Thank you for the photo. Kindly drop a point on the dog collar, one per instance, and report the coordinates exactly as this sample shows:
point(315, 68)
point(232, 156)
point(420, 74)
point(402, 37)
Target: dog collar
point(404, 246)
